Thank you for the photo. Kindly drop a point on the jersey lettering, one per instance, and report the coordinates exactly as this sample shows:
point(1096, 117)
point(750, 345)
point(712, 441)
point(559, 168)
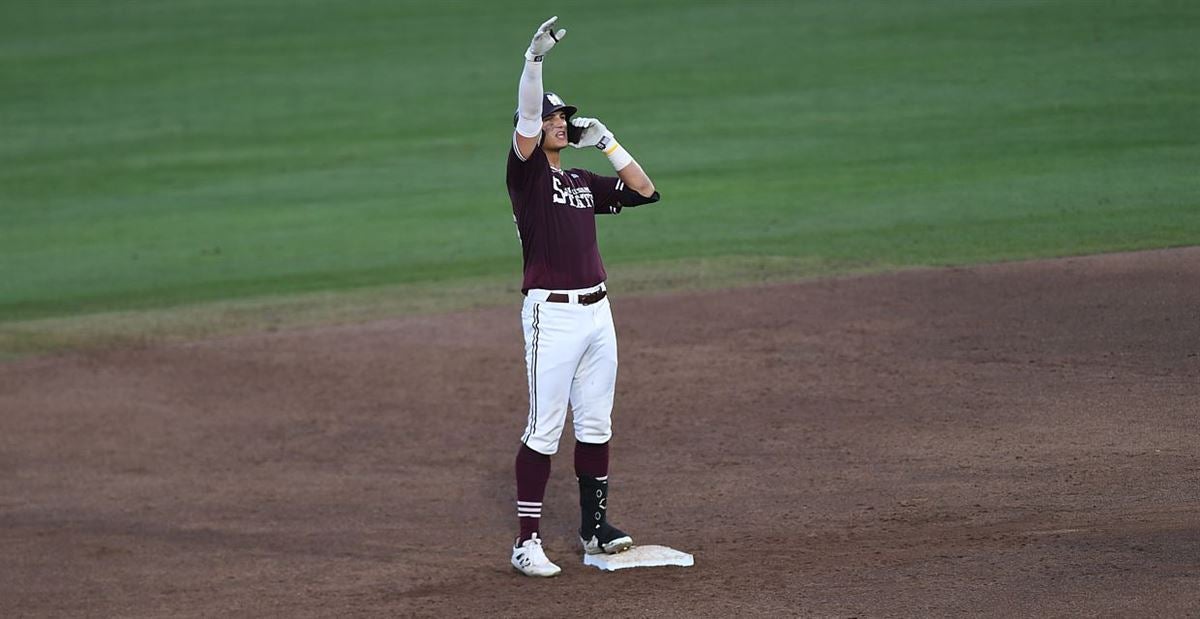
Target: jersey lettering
point(578, 197)
point(560, 195)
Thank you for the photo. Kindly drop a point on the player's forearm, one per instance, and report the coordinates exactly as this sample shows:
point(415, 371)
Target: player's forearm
point(636, 179)
point(529, 99)
point(628, 170)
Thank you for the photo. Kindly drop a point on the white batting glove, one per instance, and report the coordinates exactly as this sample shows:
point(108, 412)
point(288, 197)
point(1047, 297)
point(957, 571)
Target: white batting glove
point(543, 40)
point(594, 133)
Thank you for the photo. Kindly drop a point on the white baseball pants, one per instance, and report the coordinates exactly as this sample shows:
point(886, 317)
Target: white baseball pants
point(570, 358)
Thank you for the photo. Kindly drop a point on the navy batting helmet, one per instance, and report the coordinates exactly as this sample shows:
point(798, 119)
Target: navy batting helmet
point(551, 103)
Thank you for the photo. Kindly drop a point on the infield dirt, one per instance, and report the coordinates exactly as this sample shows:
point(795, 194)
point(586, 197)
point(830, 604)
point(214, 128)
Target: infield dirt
point(1015, 439)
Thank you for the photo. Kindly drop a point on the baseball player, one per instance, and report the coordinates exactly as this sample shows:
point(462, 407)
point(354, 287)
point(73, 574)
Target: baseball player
point(570, 344)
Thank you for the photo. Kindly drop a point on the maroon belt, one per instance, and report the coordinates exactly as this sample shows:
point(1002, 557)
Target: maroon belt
point(584, 299)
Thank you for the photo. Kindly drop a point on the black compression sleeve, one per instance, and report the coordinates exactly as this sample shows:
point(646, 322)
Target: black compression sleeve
point(629, 198)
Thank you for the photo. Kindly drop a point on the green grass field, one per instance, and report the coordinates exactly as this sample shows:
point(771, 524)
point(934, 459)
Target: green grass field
point(169, 153)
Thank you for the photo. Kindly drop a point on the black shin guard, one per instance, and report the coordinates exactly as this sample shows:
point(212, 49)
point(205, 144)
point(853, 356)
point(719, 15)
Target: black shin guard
point(593, 506)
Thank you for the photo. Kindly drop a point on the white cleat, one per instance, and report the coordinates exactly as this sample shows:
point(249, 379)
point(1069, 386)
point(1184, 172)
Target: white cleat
point(531, 560)
point(618, 541)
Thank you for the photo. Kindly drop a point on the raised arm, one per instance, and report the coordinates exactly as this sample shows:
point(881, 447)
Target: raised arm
point(628, 170)
point(529, 92)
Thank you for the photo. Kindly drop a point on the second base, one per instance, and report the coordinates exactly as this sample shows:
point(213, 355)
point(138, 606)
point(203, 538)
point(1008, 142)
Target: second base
point(640, 556)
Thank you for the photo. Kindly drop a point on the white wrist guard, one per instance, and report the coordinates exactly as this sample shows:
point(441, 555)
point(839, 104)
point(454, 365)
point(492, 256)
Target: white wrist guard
point(617, 155)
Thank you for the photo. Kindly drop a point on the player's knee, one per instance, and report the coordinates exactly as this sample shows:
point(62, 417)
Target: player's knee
point(545, 445)
point(593, 430)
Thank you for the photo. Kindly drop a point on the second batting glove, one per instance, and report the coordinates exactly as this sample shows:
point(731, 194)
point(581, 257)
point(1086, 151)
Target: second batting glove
point(594, 133)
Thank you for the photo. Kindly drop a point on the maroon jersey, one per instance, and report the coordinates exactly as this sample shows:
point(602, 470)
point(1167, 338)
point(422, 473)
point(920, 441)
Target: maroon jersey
point(555, 212)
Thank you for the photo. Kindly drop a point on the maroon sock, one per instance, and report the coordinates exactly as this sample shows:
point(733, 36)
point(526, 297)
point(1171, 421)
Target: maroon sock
point(591, 460)
point(533, 471)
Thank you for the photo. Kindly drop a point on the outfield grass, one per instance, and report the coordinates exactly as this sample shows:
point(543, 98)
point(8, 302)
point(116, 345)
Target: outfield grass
point(157, 154)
